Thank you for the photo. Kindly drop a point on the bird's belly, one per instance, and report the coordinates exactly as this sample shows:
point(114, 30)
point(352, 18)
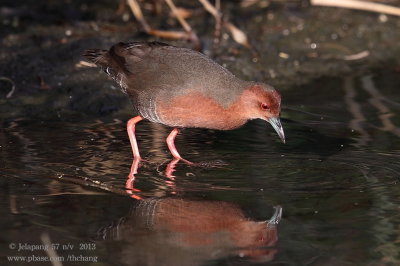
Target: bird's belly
point(195, 110)
point(145, 105)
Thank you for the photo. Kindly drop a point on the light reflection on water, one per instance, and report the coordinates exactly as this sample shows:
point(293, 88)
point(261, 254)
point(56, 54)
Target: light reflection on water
point(336, 178)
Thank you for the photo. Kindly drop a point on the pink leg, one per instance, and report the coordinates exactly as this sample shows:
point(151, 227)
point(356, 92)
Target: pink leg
point(130, 127)
point(171, 145)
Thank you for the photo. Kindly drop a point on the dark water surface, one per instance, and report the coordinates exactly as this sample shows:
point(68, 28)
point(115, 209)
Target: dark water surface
point(336, 179)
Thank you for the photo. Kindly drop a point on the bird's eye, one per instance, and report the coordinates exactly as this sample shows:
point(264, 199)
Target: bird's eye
point(264, 106)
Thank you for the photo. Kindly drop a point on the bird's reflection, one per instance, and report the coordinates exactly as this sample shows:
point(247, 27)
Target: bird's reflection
point(172, 231)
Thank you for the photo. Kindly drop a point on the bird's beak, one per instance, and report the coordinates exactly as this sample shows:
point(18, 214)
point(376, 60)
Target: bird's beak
point(276, 124)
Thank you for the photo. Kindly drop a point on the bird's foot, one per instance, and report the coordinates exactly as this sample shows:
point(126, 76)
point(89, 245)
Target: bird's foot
point(211, 164)
point(205, 164)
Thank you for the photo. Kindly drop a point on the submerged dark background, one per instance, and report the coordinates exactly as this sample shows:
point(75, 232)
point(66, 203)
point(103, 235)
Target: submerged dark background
point(65, 154)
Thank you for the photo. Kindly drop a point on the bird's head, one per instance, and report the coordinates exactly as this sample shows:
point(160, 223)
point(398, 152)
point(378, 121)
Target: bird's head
point(264, 102)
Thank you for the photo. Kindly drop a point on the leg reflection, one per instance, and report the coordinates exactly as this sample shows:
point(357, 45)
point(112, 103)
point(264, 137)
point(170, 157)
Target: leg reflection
point(171, 168)
point(129, 184)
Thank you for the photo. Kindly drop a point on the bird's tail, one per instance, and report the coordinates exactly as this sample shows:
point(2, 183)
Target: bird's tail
point(97, 56)
point(109, 65)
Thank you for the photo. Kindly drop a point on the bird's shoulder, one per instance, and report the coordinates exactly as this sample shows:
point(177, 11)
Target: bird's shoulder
point(137, 51)
point(159, 52)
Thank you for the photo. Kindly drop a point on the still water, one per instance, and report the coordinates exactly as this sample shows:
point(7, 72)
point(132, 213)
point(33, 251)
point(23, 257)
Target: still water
point(336, 182)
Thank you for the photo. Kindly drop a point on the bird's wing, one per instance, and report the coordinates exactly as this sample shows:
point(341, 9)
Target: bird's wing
point(156, 68)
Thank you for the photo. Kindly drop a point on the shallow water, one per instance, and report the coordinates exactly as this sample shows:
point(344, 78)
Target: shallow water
point(336, 179)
